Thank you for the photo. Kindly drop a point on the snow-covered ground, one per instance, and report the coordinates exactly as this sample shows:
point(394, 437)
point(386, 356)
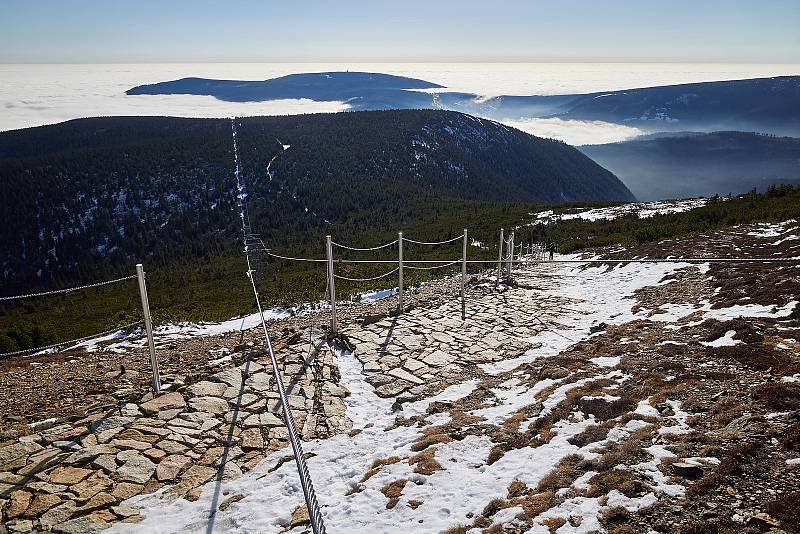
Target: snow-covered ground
point(467, 483)
point(642, 210)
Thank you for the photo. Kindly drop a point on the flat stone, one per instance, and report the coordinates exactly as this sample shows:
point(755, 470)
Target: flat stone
point(109, 423)
point(126, 490)
point(438, 358)
point(170, 467)
point(101, 500)
point(88, 454)
point(18, 503)
point(137, 435)
point(166, 415)
point(195, 476)
point(252, 439)
point(57, 514)
point(137, 468)
point(12, 452)
point(413, 365)
point(263, 419)
point(207, 389)
point(68, 475)
point(79, 525)
point(106, 462)
point(18, 525)
point(91, 486)
point(154, 454)
point(213, 405)
point(259, 382)
point(41, 503)
point(232, 377)
point(402, 374)
point(125, 511)
point(131, 444)
point(167, 401)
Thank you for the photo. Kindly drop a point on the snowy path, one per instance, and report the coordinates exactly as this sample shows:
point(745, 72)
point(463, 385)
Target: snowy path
point(466, 482)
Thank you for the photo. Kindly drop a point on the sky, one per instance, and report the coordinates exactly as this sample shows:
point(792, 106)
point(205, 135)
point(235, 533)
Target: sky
point(176, 31)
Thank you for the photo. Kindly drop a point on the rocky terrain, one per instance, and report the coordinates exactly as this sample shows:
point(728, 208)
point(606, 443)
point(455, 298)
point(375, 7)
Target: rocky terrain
point(604, 398)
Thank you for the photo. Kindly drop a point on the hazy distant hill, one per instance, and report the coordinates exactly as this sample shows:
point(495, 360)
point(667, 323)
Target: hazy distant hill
point(691, 164)
point(98, 194)
point(760, 104)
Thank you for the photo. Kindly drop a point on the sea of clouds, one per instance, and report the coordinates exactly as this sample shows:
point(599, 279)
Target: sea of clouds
point(34, 95)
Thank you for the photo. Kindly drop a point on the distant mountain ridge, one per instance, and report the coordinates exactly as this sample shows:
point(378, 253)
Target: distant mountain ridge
point(692, 164)
point(758, 104)
point(92, 196)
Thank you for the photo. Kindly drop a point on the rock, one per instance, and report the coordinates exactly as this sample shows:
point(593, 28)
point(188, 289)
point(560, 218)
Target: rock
point(764, 520)
point(137, 435)
point(154, 454)
point(402, 374)
point(136, 468)
point(68, 475)
point(232, 377)
point(130, 444)
point(300, 517)
point(125, 511)
point(252, 439)
point(213, 405)
point(438, 358)
point(207, 389)
point(41, 503)
point(18, 525)
point(91, 486)
point(101, 500)
point(56, 515)
point(172, 447)
point(195, 476)
point(109, 423)
point(193, 494)
point(687, 470)
point(18, 503)
point(88, 454)
point(167, 401)
point(126, 490)
point(80, 525)
point(263, 419)
point(106, 462)
point(17, 450)
point(229, 501)
point(170, 467)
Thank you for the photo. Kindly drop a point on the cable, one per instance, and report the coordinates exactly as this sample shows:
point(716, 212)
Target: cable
point(365, 249)
point(291, 258)
point(366, 279)
point(315, 516)
point(433, 242)
point(432, 268)
point(69, 289)
point(73, 341)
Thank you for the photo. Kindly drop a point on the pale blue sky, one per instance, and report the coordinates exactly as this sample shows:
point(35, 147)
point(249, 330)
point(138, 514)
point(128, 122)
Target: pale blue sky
point(115, 31)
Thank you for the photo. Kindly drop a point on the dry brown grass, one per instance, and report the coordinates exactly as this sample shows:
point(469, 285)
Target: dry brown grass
point(624, 453)
point(616, 479)
point(414, 504)
point(458, 529)
point(424, 463)
point(393, 491)
point(568, 469)
point(354, 488)
point(376, 466)
point(516, 489)
point(534, 504)
point(786, 508)
point(495, 454)
point(778, 395)
point(554, 523)
point(591, 434)
point(426, 441)
point(492, 507)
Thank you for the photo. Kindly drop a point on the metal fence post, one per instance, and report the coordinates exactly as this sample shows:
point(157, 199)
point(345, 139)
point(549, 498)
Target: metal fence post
point(464, 277)
point(511, 254)
point(148, 327)
point(400, 271)
point(331, 282)
point(499, 260)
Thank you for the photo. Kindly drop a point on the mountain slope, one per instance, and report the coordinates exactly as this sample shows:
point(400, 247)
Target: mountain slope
point(688, 165)
point(759, 104)
point(94, 196)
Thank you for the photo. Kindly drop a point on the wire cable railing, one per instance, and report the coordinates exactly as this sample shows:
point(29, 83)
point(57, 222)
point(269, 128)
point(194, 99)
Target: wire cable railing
point(433, 243)
point(384, 275)
point(68, 289)
point(364, 249)
point(72, 341)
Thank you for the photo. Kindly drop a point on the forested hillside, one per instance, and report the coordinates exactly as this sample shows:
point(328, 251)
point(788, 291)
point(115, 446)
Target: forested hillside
point(89, 198)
